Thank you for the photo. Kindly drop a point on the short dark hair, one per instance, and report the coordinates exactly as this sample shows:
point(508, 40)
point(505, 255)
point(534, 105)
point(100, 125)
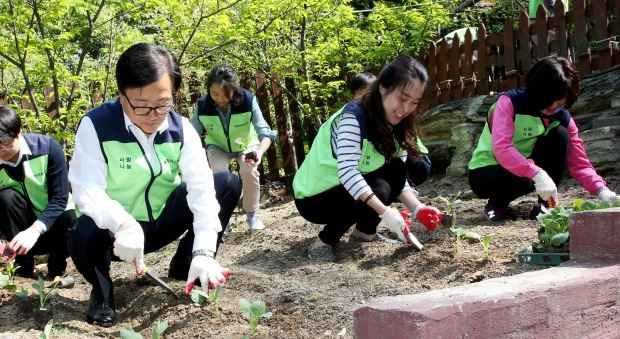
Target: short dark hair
point(361, 81)
point(226, 77)
point(10, 124)
point(142, 64)
point(551, 79)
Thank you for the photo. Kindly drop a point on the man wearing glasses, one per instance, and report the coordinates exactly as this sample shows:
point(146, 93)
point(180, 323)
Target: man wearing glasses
point(35, 205)
point(140, 180)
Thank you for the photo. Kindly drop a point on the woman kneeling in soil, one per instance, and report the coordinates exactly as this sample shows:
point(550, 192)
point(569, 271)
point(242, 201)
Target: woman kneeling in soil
point(528, 139)
point(352, 173)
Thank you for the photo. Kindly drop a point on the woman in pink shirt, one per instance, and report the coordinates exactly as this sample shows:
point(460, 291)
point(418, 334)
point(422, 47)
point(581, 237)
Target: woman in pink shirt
point(527, 141)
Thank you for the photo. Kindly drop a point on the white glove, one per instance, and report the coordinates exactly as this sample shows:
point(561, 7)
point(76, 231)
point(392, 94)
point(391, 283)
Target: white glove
point(24, 240)
point(129, 245)
point(607, 195)
point(545, 187)
point(253, 162)
point(208, 270)
point(395, 222)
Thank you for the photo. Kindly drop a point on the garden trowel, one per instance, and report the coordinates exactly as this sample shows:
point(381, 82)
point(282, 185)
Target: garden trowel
point(157, 280)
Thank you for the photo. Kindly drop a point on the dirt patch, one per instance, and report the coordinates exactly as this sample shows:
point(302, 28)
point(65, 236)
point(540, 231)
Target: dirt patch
point(308, 298)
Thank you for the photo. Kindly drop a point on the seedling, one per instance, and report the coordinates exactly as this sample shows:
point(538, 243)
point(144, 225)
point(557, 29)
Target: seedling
point(459, 234)
point(450, 204)
point(350, 271)
point(129, 333)
point(255, 311)
point(485, 241)
point(199, 297)
point(555, 224)
point(47, 331)
point(315, 297)
point(40, 287)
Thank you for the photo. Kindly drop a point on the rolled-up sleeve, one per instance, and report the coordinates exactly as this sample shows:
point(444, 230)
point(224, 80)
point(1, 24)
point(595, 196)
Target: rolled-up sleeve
point(200, 189)
point(87, 175)
point(260, 125)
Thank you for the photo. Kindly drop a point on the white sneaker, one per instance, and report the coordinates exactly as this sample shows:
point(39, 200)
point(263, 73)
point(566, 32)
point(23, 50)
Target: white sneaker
point(254, 223)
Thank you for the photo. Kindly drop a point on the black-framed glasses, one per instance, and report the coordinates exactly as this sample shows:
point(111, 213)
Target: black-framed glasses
point(144, 110)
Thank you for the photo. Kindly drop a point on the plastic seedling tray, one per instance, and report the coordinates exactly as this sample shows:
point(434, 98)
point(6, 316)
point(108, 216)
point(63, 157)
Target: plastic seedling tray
point(553, 259)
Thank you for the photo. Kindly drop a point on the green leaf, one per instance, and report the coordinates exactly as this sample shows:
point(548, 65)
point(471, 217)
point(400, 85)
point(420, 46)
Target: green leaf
point(457, 230)
point(128, 333)
point(588, 205)
point(559, 239)
point(577, 203)
point(36, 287)
point(22, 294)
point(472, 235)
point(159, 329)
point(10, 287)
point(199, 296)
point(217, 291)
point(266, 315)
point(544, 238)
point(616, 204)
point(3, 279)
point(245, 306)
point(258, 308)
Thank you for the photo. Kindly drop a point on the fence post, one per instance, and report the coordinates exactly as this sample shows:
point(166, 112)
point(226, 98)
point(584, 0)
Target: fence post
point(433, 98)
point(512, 75)
point(469, 82)
point(542, 31)
point(285, 146)
point(442, 78)
point(263, 103)
point(480, 67)
point(603, 45)
point(524, 42)
point(298, 137)
point(454, 69)
point(581, 38)
point(561, 37)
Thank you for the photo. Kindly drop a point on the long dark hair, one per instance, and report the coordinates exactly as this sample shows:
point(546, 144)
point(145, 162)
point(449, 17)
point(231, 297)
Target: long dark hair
point(551, 79)
point(226, 77)
point(404, 71)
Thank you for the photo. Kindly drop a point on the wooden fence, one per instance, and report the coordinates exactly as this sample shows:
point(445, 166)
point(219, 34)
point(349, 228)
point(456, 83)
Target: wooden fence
point(588, 35)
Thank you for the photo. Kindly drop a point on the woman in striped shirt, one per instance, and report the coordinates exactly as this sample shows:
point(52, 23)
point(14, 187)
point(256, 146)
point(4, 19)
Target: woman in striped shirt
point(352, 173)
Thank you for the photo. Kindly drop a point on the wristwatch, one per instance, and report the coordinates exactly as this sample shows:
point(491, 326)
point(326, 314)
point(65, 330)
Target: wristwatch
point(207, 253)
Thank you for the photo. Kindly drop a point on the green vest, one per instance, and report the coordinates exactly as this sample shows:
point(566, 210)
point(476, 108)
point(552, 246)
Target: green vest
point(34, 184)
point(421, 147)
point(241, 134)
point(131, 180)
point(319, 172)
point(528, 127)
point(534, 7)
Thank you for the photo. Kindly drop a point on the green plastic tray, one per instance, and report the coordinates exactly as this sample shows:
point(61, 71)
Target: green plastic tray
point(527, 257)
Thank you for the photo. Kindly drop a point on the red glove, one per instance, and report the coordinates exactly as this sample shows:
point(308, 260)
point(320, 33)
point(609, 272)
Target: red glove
point(430, 217)
point(405, 214)
point(6, 253)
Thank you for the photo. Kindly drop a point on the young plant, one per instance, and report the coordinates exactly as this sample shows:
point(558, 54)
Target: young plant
point(255, 311)
point(40, 287)
point(485, 241)
point(450, 204)
point(555, 224)
point(589, 205)
point(199, 297)
point(129, 333)
point(459, 234)
point(46, 334)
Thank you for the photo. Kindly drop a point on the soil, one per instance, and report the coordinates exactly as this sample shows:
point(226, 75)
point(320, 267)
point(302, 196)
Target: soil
point(308, 298)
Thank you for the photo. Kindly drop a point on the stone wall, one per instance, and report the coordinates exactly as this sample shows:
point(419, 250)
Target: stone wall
point(451, 131)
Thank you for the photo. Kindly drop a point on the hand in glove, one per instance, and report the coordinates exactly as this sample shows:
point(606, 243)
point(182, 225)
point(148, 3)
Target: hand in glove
point(208, 270)
point(545, 187)
point(129, 245)
point(608, 196)
point(253, 158)
point(430, 217)
point(24, 240)
point(395, 222)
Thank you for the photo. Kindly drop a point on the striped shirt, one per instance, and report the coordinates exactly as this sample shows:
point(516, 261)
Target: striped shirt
point(346, 144)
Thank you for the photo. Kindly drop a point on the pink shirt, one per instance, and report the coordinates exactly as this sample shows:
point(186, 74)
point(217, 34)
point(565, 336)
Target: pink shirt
point(508, 156)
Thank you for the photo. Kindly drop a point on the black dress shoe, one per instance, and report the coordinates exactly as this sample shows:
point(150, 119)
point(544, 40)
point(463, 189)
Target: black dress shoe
point(101, 313)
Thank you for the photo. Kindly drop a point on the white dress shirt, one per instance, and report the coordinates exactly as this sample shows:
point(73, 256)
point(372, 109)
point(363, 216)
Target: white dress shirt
point(88, 172)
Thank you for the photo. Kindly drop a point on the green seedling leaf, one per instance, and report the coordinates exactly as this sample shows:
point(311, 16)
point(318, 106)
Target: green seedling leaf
point(3, 279)
point(159, 329)
point(217, 291)
point(472, 235)
point(577, 204)
point(559, 239)
point(457, 230)
point(10, 287)
point(258, 308)
point(22, 294)
point(588, 205)
point(199, 297)
point(604, 204)
point(129, 333)
point(47, 330)
point(266, 315)
point(544, 238)
point(245, 306)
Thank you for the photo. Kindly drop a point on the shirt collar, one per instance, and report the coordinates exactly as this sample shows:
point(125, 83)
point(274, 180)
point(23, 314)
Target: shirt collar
point(23, 150)
point(129, 123)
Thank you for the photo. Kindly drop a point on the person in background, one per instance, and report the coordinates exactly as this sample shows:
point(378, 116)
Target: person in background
point(353, 171)
point(126, 177)
point(35, 204)
point(417, 170)
point(235, 128)
point(528, 140)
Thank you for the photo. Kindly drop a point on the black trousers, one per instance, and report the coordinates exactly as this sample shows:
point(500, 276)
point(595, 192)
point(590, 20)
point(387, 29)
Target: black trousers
point(339, 211)
point(91, 247)
point(501, 187)
point(418, 170)
point(16, 215)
